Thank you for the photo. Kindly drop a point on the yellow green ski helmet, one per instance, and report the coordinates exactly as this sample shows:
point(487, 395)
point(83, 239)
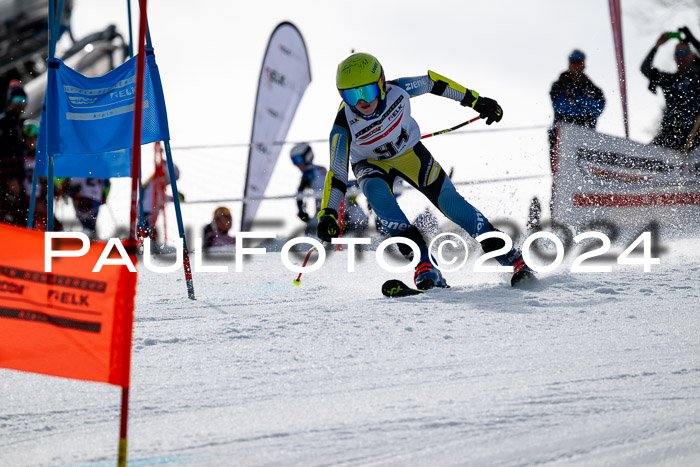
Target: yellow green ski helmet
point(360, 76)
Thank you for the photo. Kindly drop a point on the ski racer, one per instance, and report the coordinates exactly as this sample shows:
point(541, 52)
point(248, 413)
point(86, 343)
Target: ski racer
point(312, 177)
point(375, 134)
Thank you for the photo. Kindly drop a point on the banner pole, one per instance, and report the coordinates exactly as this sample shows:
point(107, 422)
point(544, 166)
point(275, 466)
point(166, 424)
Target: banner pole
point(52, 52)
point(138, 109)
point(616, 23)
point(49, 195)
point(32, 198)
point(131, 39)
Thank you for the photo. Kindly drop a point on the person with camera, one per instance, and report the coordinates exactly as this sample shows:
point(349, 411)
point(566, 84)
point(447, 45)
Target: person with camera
point(681, 91)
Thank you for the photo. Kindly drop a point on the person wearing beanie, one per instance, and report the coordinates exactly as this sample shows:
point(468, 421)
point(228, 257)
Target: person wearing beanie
point(575, 99)
point(15, 95)
point(216, 232)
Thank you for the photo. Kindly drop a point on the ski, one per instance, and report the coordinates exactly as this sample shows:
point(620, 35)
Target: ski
point(396, 288)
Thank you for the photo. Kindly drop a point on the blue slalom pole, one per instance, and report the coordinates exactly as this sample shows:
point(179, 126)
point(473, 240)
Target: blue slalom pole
point(180, 226)
point(131, 40)
point(32, 198)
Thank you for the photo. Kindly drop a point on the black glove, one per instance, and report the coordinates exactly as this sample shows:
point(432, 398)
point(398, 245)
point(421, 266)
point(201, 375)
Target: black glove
point(488, 109)
point(303, 216)
point(327, 224)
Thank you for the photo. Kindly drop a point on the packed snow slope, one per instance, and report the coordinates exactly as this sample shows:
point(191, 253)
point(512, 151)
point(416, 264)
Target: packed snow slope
point(583, 369)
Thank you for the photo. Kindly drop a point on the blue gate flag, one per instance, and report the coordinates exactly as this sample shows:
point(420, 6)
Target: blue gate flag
point(94, 116)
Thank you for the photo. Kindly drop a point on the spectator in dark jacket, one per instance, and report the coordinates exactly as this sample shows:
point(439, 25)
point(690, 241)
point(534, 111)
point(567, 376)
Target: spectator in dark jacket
point(12, 196)
point(681, 91)
point(30, 130)
point(575, 99)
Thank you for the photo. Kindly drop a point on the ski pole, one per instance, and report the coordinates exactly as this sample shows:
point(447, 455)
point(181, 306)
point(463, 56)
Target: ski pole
point(457, 127)
point(297, 281)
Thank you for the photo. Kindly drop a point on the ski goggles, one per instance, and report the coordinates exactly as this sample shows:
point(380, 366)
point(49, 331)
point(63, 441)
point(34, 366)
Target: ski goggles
point(682, 53)
point(19, 99)
point(299, 158)
point(367, 93)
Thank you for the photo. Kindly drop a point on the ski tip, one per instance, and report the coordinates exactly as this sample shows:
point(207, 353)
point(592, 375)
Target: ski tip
point(396, 288)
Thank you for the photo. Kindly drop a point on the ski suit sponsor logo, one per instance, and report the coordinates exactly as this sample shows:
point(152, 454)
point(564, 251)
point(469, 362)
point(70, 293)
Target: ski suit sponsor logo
point(367, 171)
point(415, 84)
point(394, 112)
point(480, 221)
point(383, 135)
point(394, 225)
point(370, 130)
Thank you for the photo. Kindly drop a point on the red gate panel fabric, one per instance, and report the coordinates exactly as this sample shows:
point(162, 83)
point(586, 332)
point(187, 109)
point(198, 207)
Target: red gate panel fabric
point(71, 322)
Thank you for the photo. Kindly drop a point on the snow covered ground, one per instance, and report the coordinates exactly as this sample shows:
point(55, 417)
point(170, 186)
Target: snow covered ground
point(584, 369)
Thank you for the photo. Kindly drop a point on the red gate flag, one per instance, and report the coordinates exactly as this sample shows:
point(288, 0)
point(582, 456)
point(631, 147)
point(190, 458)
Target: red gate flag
point(70, 322)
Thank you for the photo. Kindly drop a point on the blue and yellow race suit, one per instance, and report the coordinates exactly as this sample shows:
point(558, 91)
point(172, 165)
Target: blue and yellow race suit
point(387, 144)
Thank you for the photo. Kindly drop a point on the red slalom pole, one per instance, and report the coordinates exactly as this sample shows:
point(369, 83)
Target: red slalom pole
point(297, 281)
point(135, 164)
point(341, 220)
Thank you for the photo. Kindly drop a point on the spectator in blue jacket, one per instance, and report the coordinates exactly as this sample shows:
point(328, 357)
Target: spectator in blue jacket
point(575, 99)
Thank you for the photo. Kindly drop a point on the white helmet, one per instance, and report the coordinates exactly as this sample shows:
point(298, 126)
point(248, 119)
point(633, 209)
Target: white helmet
point(301, 153)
